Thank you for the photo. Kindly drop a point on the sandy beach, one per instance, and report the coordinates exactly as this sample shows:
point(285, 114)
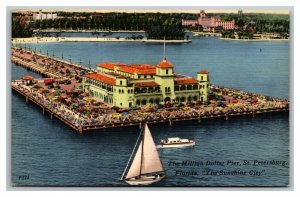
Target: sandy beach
point(87, 39)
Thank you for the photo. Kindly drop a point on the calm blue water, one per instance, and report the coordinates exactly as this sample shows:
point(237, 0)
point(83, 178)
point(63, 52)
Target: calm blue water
point(52, 154)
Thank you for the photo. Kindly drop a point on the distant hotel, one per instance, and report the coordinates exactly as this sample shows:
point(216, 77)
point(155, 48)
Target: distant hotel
point(129, 86)
point(44, 16)
point(209, 24)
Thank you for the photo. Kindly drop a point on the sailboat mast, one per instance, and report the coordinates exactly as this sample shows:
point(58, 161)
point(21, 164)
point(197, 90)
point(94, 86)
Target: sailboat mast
point(143, 140)
point(130, 159)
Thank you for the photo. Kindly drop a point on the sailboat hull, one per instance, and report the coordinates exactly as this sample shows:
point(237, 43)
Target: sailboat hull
point(144, 180)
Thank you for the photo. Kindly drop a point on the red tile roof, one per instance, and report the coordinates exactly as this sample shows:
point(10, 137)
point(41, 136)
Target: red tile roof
point(145, 84)
point(110, 65)
point(99, 77)
point(145, 69)
point(203, 72)
point(164, 64)
point(185, 80)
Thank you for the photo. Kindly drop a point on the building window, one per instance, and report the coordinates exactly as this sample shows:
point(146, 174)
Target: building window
point(121, 104)
point(144, 102)
point(138, 102)
point(157, 101)
point(121, 82)
point(139, 76)
point(167, 71)
point(195, 98)
point(128, 91)
point(145, 76)
point(130, 104)
point(119, 91)
point(201, 78)
point(182, 99)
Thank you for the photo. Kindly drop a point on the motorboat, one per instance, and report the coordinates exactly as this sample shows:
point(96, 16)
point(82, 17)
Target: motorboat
point(177, 142)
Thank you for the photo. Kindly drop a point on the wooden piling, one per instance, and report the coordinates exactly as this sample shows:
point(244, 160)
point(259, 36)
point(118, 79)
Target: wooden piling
point(199, 118)
point(170, 122)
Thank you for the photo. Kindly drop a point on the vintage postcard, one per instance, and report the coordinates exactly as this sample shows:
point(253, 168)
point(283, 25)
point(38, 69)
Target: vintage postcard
point(150, 98)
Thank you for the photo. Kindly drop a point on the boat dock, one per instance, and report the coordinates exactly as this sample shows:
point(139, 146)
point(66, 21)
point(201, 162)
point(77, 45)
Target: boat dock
point(88, 115)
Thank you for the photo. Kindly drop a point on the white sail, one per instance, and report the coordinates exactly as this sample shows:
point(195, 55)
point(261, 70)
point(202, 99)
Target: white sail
point(135, 167)
point(150, 159)
point(146, 159)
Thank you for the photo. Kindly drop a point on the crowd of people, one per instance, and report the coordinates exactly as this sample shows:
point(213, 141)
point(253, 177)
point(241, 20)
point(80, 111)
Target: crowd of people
point(52, 65)
point(80, 110)
point(96, 114)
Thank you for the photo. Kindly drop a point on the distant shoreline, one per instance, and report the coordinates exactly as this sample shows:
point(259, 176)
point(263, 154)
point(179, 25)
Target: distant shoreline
point(87, 31)
point(88, 39)
point(255, 40)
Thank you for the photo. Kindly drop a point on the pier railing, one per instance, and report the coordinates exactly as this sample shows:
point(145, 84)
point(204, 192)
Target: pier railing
point(170, 120)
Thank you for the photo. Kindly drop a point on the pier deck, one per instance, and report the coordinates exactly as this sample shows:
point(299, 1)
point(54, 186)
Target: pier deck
point(38, 63)
point(170, 121)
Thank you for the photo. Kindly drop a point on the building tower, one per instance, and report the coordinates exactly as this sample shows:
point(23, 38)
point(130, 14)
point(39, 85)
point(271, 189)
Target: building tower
point(41, 14)
point(203, 79)
point(202, 13)
point(165, 78)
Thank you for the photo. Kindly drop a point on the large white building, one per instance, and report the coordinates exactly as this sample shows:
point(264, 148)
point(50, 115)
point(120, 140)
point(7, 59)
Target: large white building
point(44, 16)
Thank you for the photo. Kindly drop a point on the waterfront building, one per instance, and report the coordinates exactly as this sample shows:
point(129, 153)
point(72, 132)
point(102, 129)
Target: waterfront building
point(44, 16)
point(209, 24)
point(128, 86)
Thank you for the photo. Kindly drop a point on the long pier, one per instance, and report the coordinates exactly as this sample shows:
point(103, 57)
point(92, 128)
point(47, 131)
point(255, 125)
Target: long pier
point(84, 128)
point(39, 67)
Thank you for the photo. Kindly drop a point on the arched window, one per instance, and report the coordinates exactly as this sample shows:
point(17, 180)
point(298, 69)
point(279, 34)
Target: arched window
point(144, 102)
point(195, 98)
point(138, 102)
point(151, 101)
point(121, 82)
point(182, 99)
point(157, 101)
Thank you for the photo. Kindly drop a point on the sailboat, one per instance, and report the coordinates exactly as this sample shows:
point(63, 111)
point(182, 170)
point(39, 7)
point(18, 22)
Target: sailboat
point(146, 167)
